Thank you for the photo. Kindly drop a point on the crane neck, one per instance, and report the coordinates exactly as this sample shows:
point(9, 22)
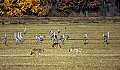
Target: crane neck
point(18, 34)
point(63, 35)
point(5, 34)
point(54, 34)
point(85, 35)
point(108, 34)
point(15, 35)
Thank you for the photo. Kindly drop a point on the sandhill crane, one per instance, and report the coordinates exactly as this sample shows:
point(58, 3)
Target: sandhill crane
point(5, 39)
point(67, 37)
point(22, 39)
point(39, 38)
point(58, 31)
point(16, 38)
point(19, 37)
point(25, 30)
point(85, 38)
point(50, 32)
point(62, 38)
point(106, 37)
point(54, 38)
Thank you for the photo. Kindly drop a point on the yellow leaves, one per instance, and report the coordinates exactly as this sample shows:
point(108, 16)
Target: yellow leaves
point(40, 8)
point(24, 4)
point(67, 0)
point(23, 9)
point(20, 7)
point(28, 5)
point(1, 12)
point(14, 12)
point(10, 13)
point(20, 4)
point(34, 9)
point(40, 14)
point(44, 11)
point(6, 1)
point(36, 2)
point(0, 1)
point(63, 7)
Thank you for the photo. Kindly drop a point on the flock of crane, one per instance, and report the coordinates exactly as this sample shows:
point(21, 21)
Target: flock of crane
point(19, 38)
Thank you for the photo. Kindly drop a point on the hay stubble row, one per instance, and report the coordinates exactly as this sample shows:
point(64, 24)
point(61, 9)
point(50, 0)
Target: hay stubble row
point(95, 55)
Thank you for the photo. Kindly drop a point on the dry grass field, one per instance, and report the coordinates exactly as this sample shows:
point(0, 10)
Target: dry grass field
point(95, 55)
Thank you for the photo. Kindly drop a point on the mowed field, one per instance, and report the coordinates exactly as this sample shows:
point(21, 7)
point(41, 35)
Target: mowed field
point(95, 55)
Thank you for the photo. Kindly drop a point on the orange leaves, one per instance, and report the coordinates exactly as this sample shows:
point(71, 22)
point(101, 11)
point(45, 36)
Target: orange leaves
point(1, 12)
point(23, 7)
point(36, 2)
point(17, 12)
point(44, 11)
point(10, 13)
point(14, 12)
point(67, 0)
point(35, 9)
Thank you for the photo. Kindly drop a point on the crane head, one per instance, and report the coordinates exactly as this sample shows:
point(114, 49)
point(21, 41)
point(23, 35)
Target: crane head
point(5, 34)
point(85, 35)
point(14, 33)
point(63, 35)
point(103, 35)
point(54, 33)
point(108, 34)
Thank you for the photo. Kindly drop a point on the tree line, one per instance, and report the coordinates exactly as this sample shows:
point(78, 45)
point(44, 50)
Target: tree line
point(65, 7)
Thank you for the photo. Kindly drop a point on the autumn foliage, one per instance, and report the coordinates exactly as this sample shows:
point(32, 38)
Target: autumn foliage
point(45, 7)
point(21, 7)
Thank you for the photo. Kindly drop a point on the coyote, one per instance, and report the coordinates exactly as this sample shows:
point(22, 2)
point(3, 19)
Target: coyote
point(56, 45)
point(75, 50)
point(36, 51)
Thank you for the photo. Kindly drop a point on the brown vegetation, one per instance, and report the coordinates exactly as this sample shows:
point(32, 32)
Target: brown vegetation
point(59, 7)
